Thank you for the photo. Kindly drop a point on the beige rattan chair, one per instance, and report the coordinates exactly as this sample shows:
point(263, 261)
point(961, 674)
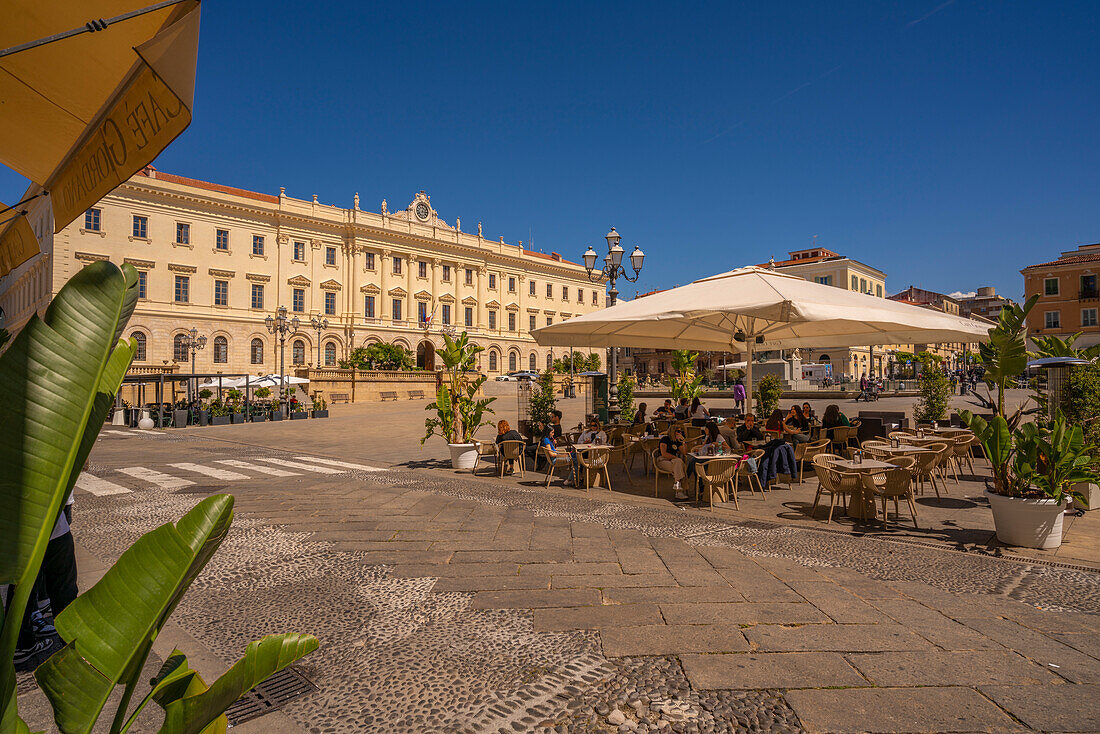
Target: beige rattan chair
point(839, 436)
point(963, 453)
point(926, 464)
point(595, 460)
point(804, 452)
point(553, 462)
point(644, 447)
point(717, 475)
point(901, 435)
point(485, 450)
point(895, 484)
point(833, 482)
point(511, 451)
point(853, 436)
point(657, 471)
point(750, 476)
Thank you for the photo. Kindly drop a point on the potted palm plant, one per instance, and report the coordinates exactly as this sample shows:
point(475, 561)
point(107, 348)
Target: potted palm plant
point(236, 409)
point(459, 412)
point(320, 408)
point(202, 413)
point(219, 413)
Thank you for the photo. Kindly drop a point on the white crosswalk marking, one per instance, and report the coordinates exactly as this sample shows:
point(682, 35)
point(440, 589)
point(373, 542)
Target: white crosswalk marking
point(256, 467)
point(344, 464)
point(300, 465)
point(210, 471)
point(151, 433)
point(164, 481)
point(99, 487)
point(124, 434)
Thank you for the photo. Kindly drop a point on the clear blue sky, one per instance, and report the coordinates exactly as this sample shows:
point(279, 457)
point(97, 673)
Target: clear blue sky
point(947, 143)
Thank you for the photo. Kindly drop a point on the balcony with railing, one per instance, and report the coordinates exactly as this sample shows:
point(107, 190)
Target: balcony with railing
point(1089, 294)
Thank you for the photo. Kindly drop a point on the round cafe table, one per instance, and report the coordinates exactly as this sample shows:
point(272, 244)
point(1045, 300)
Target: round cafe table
point(862, 504)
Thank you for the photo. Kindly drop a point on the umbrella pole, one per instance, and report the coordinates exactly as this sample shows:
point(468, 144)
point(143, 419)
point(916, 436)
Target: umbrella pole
point(749, 342)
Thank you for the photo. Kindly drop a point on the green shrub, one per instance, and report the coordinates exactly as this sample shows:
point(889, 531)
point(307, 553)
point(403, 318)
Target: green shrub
point(935, 393)
point(626, 397)
point(1081, 400)
point(542, 398)
point(768, 392)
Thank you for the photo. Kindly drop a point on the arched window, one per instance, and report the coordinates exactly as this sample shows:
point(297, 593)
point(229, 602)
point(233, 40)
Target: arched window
point(221, 350)
point(298, 352)
point(512, 367)
point(823, 358)
point(140, 350)
point(533, 363)
point(330, 354)
point(492, 361)
point(257, 351)
point(179, 348)
point(549, 361)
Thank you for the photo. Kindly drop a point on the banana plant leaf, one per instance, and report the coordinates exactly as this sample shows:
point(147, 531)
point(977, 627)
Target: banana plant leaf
point(109, 629)
point(55, 379)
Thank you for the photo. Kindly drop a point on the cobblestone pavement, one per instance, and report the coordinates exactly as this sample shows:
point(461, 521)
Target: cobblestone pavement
point(457, 605)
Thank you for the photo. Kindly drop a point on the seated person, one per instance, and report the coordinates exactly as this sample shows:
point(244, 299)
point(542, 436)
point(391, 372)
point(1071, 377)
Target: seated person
point(833, 418)
point(808, 413)
point(712, 445)
point(555, 423)
point(698, 413)
point(774, 424)
point(507, 433)
point(681, 410)
point(592, 432)
point(728, 430)
point(749, 431)
point(665, 411)
point(671, 459)
point(551, 447)
point(640, 415)
point(796, 428)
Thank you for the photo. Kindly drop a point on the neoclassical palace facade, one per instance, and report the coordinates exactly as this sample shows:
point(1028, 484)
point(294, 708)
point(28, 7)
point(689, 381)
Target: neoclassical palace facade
point(221, 259)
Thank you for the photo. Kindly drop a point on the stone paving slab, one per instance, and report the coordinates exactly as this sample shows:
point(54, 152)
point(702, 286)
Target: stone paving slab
point(672, 639)
point(492, 583)
point(934, 626)
point(770, 670)
point(1051, 708)
point(840, 604)
point(671, 595)
point(758, 586)
point(949, 668)
point(607, 581)
point(580, 618)
point(460, 570)
point(1071, 664)
point(834, 638)
point(855, 710)
point(568, 568)
point(535, 598)
point(742, 613)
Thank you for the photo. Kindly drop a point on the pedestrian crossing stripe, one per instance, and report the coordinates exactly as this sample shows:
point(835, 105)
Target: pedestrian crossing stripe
point(164, 481)
point(344, 464)
point(151, 433)
point(124, 434)
point(299, 465)
point(99, 487)
point(224, 474)
point(270, 470)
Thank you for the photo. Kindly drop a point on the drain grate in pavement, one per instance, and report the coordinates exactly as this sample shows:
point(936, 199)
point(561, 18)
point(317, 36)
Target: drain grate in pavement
point(274, 693)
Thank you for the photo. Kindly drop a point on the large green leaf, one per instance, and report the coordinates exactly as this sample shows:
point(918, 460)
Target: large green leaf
point(188, 710)
point(51, 379)
point(108, 629)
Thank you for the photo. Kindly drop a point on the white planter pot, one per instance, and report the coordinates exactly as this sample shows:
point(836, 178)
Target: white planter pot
point(1027, 523)
point(1091, 493)
point(463, 455)
point(146, 422)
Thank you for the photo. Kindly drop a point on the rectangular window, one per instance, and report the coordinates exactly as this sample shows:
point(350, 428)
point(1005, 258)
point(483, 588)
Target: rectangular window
point(421, 312)
point(396, 310)
point(1088, 317)
point(92, 220)
point(421, 269)
point(368, 260)
point(368, 307)
point(396, 265)
point(469, 277)
point(183, 289)
point(445, 314)
point(511, 322)
point(511, 285)
point(446, 273)
point(823, 279)
point(1053, 320)
point(595, 298)
point(492, 319)
point(531, 288)
point(468, 316)
point(298, 300)
point(183, 233)
point(531, 322)
point(855, 283)
point(549, 290)
point(257, 244)
point(1050, 286)
point(580, 295)
point(492, 281)
point(862, 285)
point(141, 227)
point(299, 251)
point(565, 293)
point(257, 295)
point(330, 303)
point(221, 292)
point(221, 239)
point(878, 290)
point(549, 320)
point(1088, 286)
point(143, 284)
point(330, 256)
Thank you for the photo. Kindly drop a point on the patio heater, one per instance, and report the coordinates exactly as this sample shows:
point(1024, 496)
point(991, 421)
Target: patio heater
point(612, 270)
point(280, 326)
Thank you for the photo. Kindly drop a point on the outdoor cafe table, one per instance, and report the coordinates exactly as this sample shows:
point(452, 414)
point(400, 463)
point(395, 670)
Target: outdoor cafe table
point(922, 440)
point(902, 449)
point(585, 447)
point(704, 458)
point(862, 504)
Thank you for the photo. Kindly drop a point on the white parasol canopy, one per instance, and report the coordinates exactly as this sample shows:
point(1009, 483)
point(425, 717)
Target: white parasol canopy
point(753, 309)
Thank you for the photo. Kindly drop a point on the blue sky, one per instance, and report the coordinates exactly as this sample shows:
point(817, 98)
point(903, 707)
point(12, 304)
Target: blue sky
point(947, 143)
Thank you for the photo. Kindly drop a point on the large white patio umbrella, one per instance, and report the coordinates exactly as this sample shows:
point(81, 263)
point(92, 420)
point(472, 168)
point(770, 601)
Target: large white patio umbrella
point(754, 309)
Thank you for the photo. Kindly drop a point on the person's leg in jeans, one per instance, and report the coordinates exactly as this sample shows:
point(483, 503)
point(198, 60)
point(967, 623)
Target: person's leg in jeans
point(59, 567)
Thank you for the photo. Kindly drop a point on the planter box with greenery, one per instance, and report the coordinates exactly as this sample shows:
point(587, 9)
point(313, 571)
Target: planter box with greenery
point(180, 417)
point(299, 415)
point(220, 420)
point(108, 630)
point(458, 410)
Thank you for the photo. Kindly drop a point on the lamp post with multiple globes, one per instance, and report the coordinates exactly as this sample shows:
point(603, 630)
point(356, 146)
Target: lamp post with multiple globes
point(611, 271)
point(280, 326)
point(319, 324)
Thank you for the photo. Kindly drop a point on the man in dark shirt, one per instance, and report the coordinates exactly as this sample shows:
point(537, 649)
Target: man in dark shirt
point(555, 423)
point(749, 431)
point(665, 411)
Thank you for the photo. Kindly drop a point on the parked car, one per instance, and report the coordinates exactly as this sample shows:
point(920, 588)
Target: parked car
point(525, 376)
point(505, 378)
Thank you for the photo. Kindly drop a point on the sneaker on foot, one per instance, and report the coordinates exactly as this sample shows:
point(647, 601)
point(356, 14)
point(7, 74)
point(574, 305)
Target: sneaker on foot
point(681, 495)
point(31, 657)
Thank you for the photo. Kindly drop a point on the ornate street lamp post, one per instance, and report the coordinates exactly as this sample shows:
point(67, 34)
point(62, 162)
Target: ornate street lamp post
point(319, 324)
point(193, 343)
point(611, 271)
point(280, 325)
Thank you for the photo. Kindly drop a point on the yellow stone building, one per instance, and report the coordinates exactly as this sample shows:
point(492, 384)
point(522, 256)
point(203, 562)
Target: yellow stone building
point(221, 259)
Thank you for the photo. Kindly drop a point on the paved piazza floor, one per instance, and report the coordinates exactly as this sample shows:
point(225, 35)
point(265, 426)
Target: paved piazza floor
point(451, 603)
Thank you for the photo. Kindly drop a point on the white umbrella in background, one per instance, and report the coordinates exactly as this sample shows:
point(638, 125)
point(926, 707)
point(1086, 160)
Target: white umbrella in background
point(754, 308)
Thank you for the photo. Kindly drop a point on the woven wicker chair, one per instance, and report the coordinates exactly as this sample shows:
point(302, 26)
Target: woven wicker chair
point(804, 452)
point(485, 450)
point(926, 464)
point(853, 436)
point(617, 456)
point(717, 475)
point(833, 482)
point(644, 448)
point(750, 476)
point(838, 437)
point(657, 471)
point(511, 451)
point(553, 462)
point(963, 453)
point(595, 460)
point(895, 484)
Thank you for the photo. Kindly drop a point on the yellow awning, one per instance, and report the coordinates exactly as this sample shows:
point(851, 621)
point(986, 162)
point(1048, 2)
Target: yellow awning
point(81, 115)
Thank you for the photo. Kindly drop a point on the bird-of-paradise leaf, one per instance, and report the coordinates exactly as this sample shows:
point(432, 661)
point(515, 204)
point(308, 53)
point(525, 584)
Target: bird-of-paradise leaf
point(109, 629)
point(52, 375)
